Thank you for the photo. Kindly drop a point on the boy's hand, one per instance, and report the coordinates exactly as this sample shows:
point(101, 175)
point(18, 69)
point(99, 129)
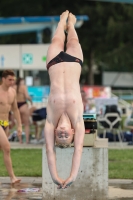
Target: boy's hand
point(58, 181)
point(68, 182)
point(19, 131)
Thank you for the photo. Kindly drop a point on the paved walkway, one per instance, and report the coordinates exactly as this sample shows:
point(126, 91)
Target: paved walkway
point(118, 189)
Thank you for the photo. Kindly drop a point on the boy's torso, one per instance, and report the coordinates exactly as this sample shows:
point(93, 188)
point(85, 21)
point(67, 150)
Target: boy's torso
point(65, 95)
point(6, 101)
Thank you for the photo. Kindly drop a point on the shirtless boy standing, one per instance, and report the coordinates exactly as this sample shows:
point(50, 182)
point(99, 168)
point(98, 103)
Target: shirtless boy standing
point(64, 121)
point(7, 103)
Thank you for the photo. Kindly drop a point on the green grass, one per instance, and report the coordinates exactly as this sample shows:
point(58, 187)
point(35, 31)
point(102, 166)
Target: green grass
point(28, 162)
point(121, 164)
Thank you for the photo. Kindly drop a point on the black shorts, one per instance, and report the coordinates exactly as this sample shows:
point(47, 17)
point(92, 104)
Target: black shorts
point(63, 57)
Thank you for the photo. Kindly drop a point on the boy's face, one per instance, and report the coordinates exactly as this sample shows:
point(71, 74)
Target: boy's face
point(8, 81)
point(64, 135)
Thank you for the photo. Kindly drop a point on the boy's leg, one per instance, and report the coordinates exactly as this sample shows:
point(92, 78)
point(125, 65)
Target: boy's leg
point(5, 147)
point(58, 39)
point(73, 45)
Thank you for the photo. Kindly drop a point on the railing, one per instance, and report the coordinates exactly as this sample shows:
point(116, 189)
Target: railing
point(124, 105)
point(124, 94)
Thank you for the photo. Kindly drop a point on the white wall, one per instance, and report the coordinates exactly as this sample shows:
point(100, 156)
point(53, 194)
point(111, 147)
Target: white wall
point(24, 57)
point(120, 79)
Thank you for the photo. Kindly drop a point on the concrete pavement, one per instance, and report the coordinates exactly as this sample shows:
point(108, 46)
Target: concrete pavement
point(118, 189)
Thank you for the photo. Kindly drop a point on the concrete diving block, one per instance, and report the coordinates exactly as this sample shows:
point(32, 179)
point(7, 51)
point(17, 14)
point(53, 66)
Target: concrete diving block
point(92, 179)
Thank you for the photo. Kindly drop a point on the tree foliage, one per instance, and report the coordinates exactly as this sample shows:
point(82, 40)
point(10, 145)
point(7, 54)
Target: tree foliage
point(106, 38)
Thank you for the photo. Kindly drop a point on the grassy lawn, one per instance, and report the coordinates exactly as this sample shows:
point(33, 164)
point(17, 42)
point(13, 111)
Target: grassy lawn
point(28, 162)
point(121, 164)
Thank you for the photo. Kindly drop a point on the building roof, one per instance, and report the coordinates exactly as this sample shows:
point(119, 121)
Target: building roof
point(13, 25)
point(16, 20)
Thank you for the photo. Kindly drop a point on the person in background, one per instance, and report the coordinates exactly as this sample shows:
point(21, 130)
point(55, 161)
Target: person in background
point(85, 101)
point(22, 97)
point(8, 103)
point(32, 109)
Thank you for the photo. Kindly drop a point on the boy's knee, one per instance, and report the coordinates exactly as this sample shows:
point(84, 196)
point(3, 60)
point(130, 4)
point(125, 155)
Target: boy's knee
point(6, 149)
point(26, 123)
point(73, 42)
point(58, 41)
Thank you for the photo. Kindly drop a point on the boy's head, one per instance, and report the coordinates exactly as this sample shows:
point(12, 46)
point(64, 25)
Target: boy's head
point(64, 136)
point(8, 78)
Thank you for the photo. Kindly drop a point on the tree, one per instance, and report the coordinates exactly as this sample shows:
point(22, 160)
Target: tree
point(106, 39)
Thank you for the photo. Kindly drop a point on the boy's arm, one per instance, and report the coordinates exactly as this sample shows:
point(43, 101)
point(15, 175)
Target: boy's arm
point(78, 146)
point(17, 115)
point(50, 151)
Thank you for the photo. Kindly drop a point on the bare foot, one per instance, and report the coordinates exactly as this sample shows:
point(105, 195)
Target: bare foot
point(15, 180)
point(63, 18)
point(71, 19)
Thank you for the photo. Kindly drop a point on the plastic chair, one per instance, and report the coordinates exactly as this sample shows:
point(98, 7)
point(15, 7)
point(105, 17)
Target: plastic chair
point(128, 124)
point(110, 122)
